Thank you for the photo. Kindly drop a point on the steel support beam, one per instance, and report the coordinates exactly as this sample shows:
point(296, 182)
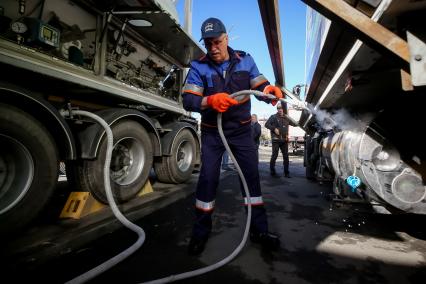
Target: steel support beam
point(271, 24)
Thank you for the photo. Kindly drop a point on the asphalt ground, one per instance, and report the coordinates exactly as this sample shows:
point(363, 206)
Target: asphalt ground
point(321, 241)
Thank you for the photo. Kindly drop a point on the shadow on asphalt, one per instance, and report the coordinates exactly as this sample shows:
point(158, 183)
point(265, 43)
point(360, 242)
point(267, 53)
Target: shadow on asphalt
point(298, 211)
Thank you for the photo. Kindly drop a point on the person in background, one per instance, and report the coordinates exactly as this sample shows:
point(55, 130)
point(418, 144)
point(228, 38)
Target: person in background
point(256, 131)
point(225, 162)
point(278, 125)
point(210, 81)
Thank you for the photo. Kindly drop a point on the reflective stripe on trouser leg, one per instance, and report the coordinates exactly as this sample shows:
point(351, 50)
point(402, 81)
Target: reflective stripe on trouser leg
point(259, 221)
point(211, 151)
point(204, 206)
point(254, 200)
point(244, 150)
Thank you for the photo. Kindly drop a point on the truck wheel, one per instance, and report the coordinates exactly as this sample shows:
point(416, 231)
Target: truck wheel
point(178, 167)
point(28, 168)
point(131, 163)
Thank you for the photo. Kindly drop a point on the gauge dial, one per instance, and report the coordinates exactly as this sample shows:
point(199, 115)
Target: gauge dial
point(19, 27)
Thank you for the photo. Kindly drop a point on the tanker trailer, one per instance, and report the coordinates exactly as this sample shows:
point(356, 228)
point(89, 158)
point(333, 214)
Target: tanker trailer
point(366, 59)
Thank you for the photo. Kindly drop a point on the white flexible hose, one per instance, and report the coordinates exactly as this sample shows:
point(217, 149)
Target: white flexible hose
point(121, 256)
point(138, 230)
point(240, 173)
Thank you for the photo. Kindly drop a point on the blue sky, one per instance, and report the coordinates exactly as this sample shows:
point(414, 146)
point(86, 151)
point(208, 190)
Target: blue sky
point(244, 25)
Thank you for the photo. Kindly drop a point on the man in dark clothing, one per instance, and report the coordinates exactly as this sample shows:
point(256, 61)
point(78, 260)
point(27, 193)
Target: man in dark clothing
point(256, 130)
point(210, 80)
point(278, 124)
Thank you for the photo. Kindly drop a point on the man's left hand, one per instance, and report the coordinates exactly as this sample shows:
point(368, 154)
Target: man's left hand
point(273, 90)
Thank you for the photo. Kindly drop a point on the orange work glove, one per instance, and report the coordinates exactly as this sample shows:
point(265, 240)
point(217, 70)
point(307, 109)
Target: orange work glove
point(221, 101)
point(273, 90)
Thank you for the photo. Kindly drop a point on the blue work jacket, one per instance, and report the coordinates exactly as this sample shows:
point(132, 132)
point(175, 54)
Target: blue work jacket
point(206, 78)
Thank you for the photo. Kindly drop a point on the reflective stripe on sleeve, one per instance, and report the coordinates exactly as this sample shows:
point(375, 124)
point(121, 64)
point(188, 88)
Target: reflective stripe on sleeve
point(259, 80)
point(204, 206)
point(193, 89)
point(254, 200)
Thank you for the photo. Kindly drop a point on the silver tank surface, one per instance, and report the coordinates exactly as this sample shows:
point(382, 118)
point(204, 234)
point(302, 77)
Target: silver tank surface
point(379, 166)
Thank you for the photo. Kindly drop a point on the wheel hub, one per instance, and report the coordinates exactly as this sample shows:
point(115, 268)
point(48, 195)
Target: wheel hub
point(184, 155)
point(127, 161)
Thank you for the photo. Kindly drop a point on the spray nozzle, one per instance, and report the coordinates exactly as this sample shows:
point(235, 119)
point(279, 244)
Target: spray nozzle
point(295, 101)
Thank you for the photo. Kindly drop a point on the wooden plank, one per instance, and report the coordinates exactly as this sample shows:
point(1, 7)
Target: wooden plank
point(370, 31)
point(406, 81)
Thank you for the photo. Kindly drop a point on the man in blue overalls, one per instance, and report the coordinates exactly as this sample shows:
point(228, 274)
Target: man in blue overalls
point(210, 80)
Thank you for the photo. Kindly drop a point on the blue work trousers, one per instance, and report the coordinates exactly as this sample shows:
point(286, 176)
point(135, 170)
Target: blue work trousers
point(244, 150)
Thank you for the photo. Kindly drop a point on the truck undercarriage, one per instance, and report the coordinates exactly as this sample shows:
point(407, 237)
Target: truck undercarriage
point(121, 60)
point(366, 99)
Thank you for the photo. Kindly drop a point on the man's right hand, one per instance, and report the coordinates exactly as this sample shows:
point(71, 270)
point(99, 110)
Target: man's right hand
point(221, 101)
point(273, 90)
point(277, 131)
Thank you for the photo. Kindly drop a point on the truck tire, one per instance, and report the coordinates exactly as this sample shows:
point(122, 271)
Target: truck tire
point(28, 168)
point(178, 167)
point(131, 163)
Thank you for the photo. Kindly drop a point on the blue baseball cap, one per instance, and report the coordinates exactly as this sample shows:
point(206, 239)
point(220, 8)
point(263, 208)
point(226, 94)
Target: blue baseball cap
point(212, 27)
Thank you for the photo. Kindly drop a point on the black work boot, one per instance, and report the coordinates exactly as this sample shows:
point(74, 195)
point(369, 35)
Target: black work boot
point(196, 245)
point(273, 173)
point(268, 240)
point(287, 175)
